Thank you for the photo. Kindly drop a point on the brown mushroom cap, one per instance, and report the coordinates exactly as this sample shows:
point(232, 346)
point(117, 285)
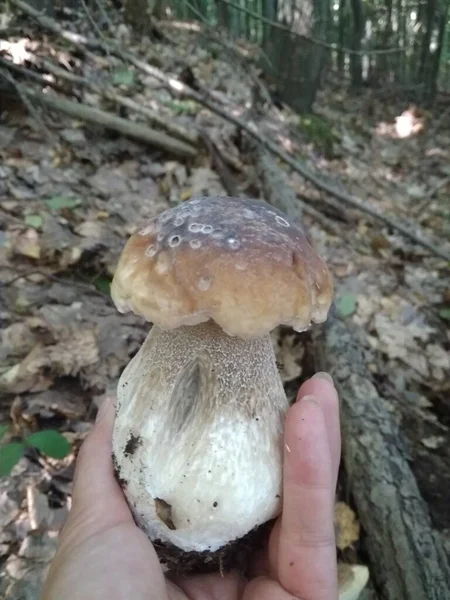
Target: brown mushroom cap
point(237, 261)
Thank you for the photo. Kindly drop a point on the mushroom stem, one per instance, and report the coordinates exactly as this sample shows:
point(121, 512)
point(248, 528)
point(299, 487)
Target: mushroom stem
point(198, 432)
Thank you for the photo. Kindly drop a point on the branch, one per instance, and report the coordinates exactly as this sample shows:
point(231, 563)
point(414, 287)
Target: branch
point(20, 89)
point(108, 92)
point(99, 117)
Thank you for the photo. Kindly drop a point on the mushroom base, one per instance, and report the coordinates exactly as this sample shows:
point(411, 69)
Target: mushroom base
point(198, 437)
point(234, 556)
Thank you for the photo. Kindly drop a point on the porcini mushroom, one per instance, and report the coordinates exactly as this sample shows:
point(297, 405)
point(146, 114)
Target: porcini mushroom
point(200, 413)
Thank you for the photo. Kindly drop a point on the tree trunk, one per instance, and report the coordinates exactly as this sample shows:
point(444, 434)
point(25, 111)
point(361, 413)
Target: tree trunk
point(357, 36)
point(136, 15)
point(342, 25)
point(223, 15)
point(296, 61)
point(431, 77)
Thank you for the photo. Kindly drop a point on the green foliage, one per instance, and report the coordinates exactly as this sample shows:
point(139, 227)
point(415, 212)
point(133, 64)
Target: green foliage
point(10, 454)
point(123, 77)
point(184, 107)
point(3, 429)
point(103, 284)
point(444, 313)
point(35, 221)
point(346, 305)
point(318, 132)
point(56, 203)
point(50, 442)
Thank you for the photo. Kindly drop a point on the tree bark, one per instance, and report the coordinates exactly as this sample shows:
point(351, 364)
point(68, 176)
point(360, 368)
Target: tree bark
point(407, 558)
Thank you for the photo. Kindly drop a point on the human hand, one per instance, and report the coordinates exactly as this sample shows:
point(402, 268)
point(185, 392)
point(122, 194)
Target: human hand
point(103, 555)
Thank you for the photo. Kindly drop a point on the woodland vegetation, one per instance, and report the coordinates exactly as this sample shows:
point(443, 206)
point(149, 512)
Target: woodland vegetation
point(338, 113)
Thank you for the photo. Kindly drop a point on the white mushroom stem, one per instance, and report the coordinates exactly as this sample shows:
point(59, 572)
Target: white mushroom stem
point(198, 435)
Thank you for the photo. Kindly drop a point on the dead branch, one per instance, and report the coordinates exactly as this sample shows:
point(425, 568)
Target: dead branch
point(407, 558)
point(109, 93)
point(218, 162)
point(28, 105)
point(29, 74)
point(279, 193)
point(180, 89)
point(136, 131)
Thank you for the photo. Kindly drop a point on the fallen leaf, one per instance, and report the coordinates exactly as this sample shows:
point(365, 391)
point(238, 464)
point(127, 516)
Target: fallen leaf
point(433, 442)
point(347, 526)
point(444, 313)
point(34, 221)
point(50, 442)
point(352, 580)
point(346, 305)
point(3, 430)
point(28, 244)
point(123, 77)
point(10, 454)
point(56, 203)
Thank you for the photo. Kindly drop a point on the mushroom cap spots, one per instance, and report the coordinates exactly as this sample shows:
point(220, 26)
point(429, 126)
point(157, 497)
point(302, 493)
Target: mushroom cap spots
point(240, 262)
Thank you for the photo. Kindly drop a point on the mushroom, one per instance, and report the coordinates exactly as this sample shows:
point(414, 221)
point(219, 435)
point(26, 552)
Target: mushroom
point(200, 408)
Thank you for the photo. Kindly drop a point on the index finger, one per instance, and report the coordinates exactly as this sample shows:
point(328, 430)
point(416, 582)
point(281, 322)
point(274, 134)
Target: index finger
point(307, 565)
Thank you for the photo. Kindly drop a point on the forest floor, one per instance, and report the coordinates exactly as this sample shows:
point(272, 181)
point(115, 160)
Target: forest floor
point(71, 193)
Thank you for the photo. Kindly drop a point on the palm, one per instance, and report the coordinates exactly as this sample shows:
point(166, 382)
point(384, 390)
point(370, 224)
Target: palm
point(103, 555)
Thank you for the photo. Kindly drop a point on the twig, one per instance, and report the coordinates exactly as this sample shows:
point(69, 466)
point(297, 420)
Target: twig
point(170, 127)
point(28, 73)
point(105, 16)
point(430, 195)
point(218, 162)
point(136, 131)
point(93, 22)
point(83, 286)
point(28, 105)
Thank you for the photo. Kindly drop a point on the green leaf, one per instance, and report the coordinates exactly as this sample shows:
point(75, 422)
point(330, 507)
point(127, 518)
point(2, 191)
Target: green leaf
point(444, 313)
point(102, 284)
point(35, 221)
point(50, 443)
point(59, 202)
point(183, 107)
point(123, 77)
point(10, 454)
point(346, 305)
point(3, 429)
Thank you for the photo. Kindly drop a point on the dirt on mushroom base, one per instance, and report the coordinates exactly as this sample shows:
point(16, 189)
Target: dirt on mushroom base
point(233, 556)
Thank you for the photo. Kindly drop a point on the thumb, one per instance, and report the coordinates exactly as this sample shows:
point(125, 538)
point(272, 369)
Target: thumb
point(97, 500)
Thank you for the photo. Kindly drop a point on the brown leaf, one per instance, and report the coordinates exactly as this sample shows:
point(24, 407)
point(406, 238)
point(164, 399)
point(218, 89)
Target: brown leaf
point(347, 526)
point(28, 244)
point(43, 364)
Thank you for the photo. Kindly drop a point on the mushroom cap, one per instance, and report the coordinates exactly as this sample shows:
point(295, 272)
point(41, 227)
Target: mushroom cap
point(237, 261)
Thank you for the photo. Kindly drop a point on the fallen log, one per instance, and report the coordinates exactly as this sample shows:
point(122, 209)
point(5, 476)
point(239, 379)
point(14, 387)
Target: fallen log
point(407, 557)
point(137, 131)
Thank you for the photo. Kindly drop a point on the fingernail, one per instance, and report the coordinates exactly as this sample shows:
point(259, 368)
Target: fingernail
point(323, 375)
point(103, 410)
